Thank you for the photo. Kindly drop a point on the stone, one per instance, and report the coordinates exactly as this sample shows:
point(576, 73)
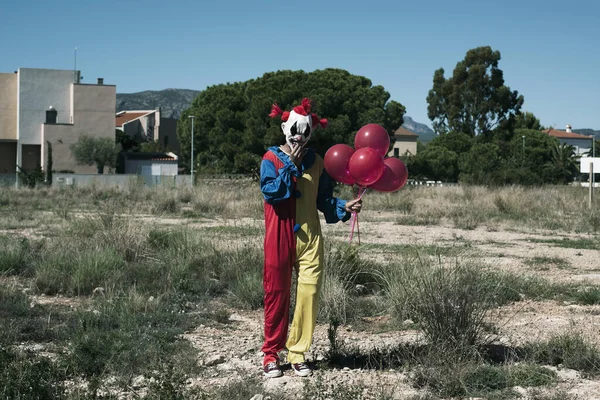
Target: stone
point(214, 360)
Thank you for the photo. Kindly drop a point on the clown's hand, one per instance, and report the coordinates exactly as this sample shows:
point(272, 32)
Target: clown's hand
point(354, 205)
point(297, 154)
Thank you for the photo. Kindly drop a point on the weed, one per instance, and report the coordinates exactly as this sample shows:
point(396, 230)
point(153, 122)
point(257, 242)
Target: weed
point(78, 271)
point(570, 350)
point(14, 255)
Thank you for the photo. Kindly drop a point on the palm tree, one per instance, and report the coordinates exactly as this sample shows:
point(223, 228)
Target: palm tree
point(563, 163)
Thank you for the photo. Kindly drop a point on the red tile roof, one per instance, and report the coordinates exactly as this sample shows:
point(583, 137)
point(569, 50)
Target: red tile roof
point(126, 116)
point(566, 135)
point(405, 132)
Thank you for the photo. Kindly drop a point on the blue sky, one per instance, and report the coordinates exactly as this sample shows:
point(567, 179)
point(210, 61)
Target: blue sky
point(550, 49)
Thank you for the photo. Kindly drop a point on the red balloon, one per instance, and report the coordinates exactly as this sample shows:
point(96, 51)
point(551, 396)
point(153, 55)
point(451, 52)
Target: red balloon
point(337, 161)
point(375, 136)
point(366, 166)
point(394, 176)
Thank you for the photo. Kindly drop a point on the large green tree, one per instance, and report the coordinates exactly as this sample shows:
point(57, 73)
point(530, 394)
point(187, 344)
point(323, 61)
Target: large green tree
point(475, 99)
point(100, 151)
point(232, 128)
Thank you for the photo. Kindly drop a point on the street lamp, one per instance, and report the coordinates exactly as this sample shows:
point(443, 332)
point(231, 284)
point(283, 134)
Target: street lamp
point(192, 158)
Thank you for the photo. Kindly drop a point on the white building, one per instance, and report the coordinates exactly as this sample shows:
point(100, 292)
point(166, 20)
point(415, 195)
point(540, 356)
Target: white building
point(150, 164)
point(41, 105)
point(582, 143)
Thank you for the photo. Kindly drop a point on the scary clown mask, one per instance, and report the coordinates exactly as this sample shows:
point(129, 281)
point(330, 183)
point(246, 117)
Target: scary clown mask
point(298, 124)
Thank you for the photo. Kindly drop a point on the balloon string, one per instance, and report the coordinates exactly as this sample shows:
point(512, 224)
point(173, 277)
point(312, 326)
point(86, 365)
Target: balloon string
point(354, 222)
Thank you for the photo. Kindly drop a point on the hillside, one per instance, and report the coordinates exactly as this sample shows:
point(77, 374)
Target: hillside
point(426, 134)
point(171, 101)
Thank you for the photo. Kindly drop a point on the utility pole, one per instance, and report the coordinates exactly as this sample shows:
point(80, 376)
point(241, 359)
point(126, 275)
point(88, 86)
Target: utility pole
point(192, 157)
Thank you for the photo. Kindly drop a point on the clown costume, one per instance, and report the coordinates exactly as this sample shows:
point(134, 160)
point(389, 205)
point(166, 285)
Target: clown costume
point(295, 185)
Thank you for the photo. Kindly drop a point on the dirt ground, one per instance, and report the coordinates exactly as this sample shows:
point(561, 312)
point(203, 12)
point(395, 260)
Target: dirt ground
point(235, 351)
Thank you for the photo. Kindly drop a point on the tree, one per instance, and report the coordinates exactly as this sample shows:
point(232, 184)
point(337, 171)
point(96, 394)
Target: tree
point(49, 164)
point(480, 164)
point(457, 142)
point(100, 151)
point(474, 100)
point(232, 129)
point(126, 142)
point(563, 166)
point(435, 163)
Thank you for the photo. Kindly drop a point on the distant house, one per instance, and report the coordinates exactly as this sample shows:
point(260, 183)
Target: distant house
point(405, 143)
point(582, 143)
point(149, 164)
point(38, 106)
point(149, 125)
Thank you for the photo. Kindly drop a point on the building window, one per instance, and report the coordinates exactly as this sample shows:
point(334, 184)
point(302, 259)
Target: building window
point(166, 141)
point(396, 152)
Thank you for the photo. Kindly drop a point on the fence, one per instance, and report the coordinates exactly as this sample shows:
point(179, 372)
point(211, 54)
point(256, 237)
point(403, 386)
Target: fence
point(121, 181)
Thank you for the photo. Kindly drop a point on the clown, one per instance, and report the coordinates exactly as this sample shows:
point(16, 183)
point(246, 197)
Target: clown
point(295, 186)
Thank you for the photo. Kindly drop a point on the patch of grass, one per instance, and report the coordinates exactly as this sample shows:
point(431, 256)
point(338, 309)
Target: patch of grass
point(544, 263)
point(478, 380)
point(417, 250)
point(583, 244)
point(166, 205)
point(22, 321)
point(14, 255)
point(241, 230)
point(418, 220)
point(569, 350)
point(78, 271)
point(129, 335)
point(23, 376)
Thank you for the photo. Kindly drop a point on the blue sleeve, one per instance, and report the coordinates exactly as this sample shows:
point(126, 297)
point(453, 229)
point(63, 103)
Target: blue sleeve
point(276, 185)
point(332, 208)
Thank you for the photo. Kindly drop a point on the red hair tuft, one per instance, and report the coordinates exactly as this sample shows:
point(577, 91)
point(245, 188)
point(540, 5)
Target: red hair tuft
point(275, 111)
point(316, 121)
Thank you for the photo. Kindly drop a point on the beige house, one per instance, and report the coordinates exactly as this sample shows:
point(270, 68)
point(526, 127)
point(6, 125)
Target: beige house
point(405, 143)
point(149, 125)
point(44, 105)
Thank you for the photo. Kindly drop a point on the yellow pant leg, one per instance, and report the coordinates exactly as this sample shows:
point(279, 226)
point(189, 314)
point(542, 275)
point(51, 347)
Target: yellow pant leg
point(307, 300)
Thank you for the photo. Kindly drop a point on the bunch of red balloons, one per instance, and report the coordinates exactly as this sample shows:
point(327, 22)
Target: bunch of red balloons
point(367, 166)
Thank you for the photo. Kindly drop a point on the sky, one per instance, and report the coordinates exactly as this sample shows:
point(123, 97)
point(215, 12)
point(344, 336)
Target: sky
point(550, 49)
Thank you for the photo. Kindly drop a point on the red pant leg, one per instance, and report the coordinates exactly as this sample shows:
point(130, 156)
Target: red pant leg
point(280, 255)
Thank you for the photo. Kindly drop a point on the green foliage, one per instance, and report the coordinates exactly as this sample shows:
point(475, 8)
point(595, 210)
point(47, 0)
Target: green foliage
point(563, 166)
point(23, 376)
point(569, 350)
point(14, 255)
point(480, 164)
point(127, 143)
point(99, 151)
point(49, 164)
point(31, 178)
point(474, 100)
point(235, 127)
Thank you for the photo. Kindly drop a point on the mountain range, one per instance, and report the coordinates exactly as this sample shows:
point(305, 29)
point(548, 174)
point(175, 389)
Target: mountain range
point(172, 102)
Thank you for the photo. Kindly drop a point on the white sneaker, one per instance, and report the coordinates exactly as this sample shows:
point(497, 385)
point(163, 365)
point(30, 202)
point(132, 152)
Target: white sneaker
point(272, 370)
point(301, 369)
